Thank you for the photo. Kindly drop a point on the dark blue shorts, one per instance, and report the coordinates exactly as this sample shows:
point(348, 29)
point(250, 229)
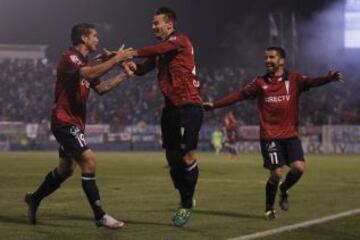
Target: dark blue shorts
point(278, 152)
point(72, 141)
point(180, 127)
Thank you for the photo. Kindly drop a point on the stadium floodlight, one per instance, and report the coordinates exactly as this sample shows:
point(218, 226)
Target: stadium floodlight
point(352, 24)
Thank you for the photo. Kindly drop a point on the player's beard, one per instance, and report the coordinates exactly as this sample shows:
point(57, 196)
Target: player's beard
point(270, 68)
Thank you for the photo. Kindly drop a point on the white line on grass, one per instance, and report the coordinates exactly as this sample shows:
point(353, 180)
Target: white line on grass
point(297, 225)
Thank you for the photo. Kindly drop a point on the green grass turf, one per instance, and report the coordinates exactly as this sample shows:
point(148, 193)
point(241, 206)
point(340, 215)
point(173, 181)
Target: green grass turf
point(137, 188)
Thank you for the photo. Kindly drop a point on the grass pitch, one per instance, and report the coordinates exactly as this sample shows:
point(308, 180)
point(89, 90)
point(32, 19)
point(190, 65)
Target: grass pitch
point(136, 187)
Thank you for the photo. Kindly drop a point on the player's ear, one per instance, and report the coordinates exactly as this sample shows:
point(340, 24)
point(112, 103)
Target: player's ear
point(282, 61)
point(172, 24)
point(84, 38)
point(169, 25)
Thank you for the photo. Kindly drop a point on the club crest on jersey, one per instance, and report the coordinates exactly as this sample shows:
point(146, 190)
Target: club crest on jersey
point(75, 59)
point(265, 87)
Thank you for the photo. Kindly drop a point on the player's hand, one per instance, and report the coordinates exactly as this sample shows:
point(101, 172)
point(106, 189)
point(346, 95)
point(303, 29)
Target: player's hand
point(124, 54)
point(336, 75)
point(105, 55)
point(129, 67)
point(208, 106)
point(129, 74)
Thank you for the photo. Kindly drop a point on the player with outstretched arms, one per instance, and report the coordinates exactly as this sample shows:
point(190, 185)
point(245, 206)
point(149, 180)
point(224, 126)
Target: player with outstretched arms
point(277, 94)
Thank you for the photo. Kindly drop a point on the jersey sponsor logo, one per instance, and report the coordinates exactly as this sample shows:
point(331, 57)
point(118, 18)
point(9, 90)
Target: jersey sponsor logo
point(75, 59)
point(274, 99)
point(85, 83)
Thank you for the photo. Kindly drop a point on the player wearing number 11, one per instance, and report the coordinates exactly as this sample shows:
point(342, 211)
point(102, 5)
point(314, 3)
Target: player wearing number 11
point(277, 94)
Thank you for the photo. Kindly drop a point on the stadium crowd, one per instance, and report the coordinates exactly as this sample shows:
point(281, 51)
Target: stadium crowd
point(27, 95)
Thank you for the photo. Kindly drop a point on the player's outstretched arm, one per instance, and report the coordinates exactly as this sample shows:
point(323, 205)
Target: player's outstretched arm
point(128, 66)
point(108, 85)
point(157, 49)
point(91, 72)
point(250, 91)
point(332, 76)
point(143, 68)
point(104, 56)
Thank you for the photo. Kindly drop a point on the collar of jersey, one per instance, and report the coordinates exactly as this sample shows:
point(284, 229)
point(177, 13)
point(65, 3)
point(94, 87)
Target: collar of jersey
point(284, 77)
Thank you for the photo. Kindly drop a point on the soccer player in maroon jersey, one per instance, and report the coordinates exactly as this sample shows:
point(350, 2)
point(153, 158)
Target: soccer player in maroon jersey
point(75, 76)
point(182, 115)
point(277, 94)
point(231, 134)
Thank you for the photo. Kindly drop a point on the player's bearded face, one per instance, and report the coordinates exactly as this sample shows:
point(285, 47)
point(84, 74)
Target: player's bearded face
point(273, 61)
point(91, 40)
point(161, 27)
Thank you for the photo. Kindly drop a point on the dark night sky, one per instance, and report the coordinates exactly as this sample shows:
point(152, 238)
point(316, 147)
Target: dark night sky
point(222, 31)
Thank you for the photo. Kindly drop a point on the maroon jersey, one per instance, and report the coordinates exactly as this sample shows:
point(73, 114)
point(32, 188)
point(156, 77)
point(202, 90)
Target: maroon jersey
point(277, 100)
point(174, 59)
point(230, 121)
point(71, 91)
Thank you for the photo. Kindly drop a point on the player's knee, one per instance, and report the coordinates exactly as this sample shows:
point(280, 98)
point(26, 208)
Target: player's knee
point(91, 166)
point(66, 171)
point(87, 162)
point(88, 166)
point(298, 171)
point(189, 158)
point(275, 178)
point(298, 168)
point(276, 175)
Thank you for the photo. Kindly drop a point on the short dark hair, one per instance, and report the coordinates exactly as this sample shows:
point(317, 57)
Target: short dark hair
point(169, 13)
point(279, 50)
point(79, 30)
